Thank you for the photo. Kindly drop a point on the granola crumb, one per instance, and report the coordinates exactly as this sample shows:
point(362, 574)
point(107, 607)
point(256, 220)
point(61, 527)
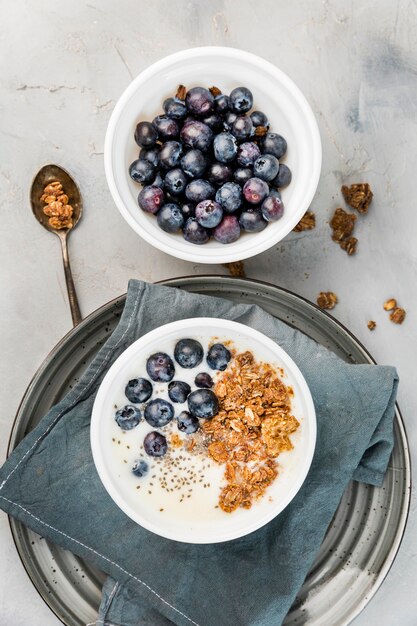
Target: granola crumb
point(398, 315)
point(215, 91)
point(181, 92)
point(371, 325)
point(349, 245)
point(390, 304)
point(307, 222)
point(236, 268)
point(260, 131)
point(176, 441)
point(358, 196)
point(327, 300)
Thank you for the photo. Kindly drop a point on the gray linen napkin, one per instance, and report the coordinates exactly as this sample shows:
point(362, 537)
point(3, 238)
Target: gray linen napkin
point(50, 483)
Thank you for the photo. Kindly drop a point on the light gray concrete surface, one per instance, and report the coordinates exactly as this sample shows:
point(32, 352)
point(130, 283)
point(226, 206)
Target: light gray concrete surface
point(63, 66)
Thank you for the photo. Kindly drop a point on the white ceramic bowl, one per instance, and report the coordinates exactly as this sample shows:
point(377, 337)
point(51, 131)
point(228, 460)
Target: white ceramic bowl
point(274, 93)
point(116, 476)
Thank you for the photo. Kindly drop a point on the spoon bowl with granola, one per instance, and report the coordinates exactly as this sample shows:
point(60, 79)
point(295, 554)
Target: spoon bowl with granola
point(57, 205)
point(203, 430)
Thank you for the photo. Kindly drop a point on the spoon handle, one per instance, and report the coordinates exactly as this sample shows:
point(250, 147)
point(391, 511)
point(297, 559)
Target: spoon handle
point(72, 295)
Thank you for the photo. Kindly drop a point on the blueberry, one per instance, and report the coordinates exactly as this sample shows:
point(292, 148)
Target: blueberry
point(150, 154)
point(145, 135)
point(242, 175)
point(194, 163)
point(175, 109)
point(274, 144)
point(188, 210)
point(199, 190)
point(170, 218)
point(155, 444)
point(259, 119)
point(247, 153)
point(160, 367)
point(166, 127)
point(187, 423)
point(215, 121)
point(229, 119)
point(199, 101)
point(229, 196)
point(188, 353)
point(203, 380)
point(142, 171)
point(225, 147)
point(255, 190)
point(128, 417)
point(266, 167)
point(159, 413)
point(241, 100)
point(158, 181)
point(208, 213)
point(218, 357)
point(242, 127)
point(178, 391)
point(221, 103)
point(150, 199)
point(219, 173)
point(175, 181)
point(284, 176)
point(272, 207)
point(193, 232)
point(140, 468)
point(203, 403)
point(228, 230)
point(170, 154)
point(138, 390)
point(251, 220)
point(195, 134)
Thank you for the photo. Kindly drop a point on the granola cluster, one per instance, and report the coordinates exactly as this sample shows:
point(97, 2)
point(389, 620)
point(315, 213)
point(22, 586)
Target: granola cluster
point(397, 314)
point(327, 300)
point(56, 206)
point(342, 225)
point(358, 196)
point(307, 222)
point(252, 428)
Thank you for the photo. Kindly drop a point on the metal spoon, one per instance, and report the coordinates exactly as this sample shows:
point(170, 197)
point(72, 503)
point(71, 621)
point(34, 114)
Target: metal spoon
point(47, 175)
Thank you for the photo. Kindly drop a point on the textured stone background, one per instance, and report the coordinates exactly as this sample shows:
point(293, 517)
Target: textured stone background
point(63, 66)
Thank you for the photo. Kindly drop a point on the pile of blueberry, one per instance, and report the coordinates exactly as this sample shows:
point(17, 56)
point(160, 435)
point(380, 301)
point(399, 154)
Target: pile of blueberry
point(209, 167)
point(201, 403)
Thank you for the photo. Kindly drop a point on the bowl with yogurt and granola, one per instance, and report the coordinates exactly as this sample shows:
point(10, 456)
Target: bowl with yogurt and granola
point(203, 430)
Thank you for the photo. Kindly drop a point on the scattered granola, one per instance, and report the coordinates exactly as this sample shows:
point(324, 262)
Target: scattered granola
point(398, 315)
point(252, 428)
point(327, 300)
point(371, 325)
point(358, 196)
point(307, 222)
point(390, 304)
point(349, 245)
point(342, 224)
point(56, 206)
point(236, 268)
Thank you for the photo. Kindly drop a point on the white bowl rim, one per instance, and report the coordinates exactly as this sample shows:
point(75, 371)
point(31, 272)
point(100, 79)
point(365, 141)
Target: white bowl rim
point(228, 255)
point(187, 325)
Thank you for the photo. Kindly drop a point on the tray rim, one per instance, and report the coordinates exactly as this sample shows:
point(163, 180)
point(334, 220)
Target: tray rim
point(389, 561)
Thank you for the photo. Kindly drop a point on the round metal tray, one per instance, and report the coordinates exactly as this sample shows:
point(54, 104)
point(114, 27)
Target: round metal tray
point(362, 540)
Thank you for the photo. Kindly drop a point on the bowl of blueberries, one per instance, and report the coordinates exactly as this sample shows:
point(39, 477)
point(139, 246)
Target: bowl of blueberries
point(212, 155)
